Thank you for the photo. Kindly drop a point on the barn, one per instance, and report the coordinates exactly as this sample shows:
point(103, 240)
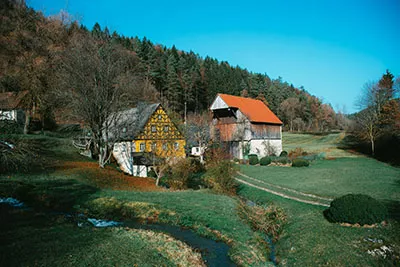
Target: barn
point(246, 126)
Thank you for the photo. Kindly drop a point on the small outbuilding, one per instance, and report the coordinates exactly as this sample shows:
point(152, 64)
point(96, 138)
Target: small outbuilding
point(246, 126)
point(11, 106)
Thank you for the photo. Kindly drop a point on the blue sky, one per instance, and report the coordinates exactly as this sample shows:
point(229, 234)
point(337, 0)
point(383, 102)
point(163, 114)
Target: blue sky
point(330, 47)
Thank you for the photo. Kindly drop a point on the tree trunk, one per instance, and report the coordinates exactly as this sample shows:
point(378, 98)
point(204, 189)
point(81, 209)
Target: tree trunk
point(373, 146)
point(27, 122)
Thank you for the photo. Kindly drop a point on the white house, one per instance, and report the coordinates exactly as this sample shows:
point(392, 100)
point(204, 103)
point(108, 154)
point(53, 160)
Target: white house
point(11, 106)
point(246, 125)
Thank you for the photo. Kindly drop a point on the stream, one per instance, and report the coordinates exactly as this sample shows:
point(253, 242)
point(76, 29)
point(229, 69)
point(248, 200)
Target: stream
point(214, 253)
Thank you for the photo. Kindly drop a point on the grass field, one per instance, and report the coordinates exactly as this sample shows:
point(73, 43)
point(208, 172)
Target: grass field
point(31, 239)
point(327, 144)
point(334, 178)
point(62, 180)
point(65, 181)
point(309, 239)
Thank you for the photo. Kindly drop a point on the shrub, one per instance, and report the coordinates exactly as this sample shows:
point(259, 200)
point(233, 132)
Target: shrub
point(282, 160)
point(10, 127)
point(297, 152)
point(267, 219)
point(181, 173)
point(265, 161)
point(220, 177)
point(17, 156)
point(283, 154)
point(356, 208)
point(253, 159)
point(300, 163)
point(151, 173)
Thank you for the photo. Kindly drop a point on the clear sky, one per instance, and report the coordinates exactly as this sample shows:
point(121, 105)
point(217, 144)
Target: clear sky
point(330, 47)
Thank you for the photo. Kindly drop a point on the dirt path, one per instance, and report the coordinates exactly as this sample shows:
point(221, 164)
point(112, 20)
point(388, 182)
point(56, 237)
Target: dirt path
point(285, 188)
point(316, 203)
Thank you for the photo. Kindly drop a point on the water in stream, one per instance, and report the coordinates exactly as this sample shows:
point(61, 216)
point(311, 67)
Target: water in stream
point(213, 253)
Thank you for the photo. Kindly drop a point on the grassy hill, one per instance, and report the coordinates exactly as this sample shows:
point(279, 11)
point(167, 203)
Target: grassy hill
point(328, 143)
point(60, 180)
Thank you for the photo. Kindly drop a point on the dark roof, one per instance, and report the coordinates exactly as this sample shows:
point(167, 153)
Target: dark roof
point(12, 100)
point(129, 123)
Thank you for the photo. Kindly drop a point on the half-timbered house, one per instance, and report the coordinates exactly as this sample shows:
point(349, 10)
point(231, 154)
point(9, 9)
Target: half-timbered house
point(144, 130)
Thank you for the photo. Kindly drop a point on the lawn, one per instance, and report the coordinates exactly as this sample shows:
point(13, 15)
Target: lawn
point(30, 239)
point(327, 144)
point(66, 181)
point(334, 178)
point(310, 240)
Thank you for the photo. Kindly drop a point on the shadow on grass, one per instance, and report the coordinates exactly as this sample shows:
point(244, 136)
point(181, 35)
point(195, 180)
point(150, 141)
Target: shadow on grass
point(55, 195)
point(393, 208)
point(386, 147)
point(31, 238)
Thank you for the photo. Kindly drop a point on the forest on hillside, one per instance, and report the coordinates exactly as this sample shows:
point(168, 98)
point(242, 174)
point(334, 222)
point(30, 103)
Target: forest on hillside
point(35, 51)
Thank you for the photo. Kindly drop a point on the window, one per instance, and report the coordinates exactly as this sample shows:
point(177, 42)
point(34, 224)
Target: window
point(153, 129)
point(153, 146)
point(166, 128)
point(159, 117)
point(164, 147)
point(176, 145)
point(142, 147)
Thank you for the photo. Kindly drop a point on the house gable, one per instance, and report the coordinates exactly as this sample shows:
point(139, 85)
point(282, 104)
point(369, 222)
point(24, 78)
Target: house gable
point(255, 110)
point(159, 127)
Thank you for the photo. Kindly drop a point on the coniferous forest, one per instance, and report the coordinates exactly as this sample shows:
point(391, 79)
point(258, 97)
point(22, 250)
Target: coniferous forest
point(34, 49)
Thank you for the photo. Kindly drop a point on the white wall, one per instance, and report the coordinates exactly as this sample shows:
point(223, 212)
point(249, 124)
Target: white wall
point(122, 154)
point(8, 115)
point(218, 104)
point(262, 147)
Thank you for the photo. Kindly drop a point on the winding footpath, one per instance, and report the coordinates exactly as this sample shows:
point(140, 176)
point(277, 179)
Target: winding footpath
point(267, 188)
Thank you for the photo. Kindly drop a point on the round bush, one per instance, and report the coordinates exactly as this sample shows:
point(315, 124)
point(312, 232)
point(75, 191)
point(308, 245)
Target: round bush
point(356, 208)
point(282, 160)
point(253, 159)
point(265, 161)
point(283, 154)
point(300, 163)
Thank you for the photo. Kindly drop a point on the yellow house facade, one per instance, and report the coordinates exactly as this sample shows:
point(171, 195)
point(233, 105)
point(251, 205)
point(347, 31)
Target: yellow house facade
point(146, 129)
point(160, 136)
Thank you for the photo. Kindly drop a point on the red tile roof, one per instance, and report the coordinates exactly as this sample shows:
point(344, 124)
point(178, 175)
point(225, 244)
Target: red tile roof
point(253, 109)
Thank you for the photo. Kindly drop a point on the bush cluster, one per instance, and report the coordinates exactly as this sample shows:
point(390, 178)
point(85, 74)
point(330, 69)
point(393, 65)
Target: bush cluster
point(267, 219)
point(220, 177)
point(186, 173)
point(299, 162)
point(10, 127)
point(17, 156)
point(265, 161)
point(253, 159)
point(356, 208)
point(297, 152)
point(283, 154)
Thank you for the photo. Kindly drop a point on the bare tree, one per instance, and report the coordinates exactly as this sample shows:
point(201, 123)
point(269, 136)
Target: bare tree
point(198, 131)
point(98, 81)
point(370, 103)
point(290, 109)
